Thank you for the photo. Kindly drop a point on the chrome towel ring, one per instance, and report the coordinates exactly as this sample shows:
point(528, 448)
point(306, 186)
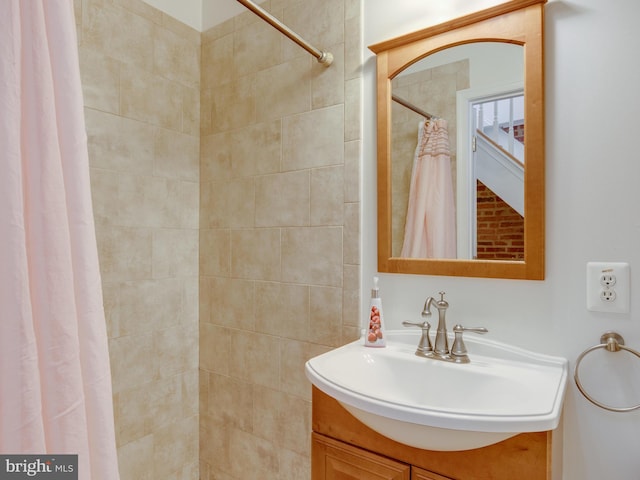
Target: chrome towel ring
point(613, 342)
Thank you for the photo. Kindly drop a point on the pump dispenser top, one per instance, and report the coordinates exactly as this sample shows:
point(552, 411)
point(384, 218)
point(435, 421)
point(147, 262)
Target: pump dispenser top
point(375, 291)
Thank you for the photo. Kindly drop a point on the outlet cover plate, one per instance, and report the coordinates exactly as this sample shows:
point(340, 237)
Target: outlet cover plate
point(595, 271)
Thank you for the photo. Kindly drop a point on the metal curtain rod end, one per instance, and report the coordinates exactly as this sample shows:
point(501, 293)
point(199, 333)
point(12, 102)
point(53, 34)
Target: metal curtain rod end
point(325, 58)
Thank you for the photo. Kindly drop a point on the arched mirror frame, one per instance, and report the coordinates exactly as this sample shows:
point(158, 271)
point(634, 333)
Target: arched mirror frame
point(519, 22)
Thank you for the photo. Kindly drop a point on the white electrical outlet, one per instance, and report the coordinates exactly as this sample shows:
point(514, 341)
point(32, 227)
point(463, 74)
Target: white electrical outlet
point(608, 287)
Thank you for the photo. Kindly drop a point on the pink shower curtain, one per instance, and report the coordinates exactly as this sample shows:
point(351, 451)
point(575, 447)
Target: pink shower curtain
point(430, 226)
point(55, 380)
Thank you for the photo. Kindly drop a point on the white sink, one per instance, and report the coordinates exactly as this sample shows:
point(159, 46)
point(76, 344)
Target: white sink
point(437, 405)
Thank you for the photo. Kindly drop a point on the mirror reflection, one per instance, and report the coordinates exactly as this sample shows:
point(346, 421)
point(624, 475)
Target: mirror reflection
point(457, 154)
point(508, 72)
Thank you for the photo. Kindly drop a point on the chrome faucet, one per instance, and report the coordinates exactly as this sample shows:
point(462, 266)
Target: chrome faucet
point(442, 343)
point(440, 350)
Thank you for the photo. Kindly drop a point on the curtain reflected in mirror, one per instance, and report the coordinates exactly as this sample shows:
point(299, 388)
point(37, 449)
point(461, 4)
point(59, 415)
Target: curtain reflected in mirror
point(430, 222)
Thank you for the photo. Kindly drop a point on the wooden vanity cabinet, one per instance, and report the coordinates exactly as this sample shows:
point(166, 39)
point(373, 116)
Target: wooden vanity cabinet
point(343, 448)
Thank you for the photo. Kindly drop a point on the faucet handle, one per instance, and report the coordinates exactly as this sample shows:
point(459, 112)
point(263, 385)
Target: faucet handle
point(460, 328)
point(459, 349)
point(423, 325)
point(424, 347)
point(442, 303)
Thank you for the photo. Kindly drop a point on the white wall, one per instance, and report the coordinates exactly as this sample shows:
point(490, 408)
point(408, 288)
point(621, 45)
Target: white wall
point(593, 205)
point(187, 11)
point(200, 14)
point(215, 12)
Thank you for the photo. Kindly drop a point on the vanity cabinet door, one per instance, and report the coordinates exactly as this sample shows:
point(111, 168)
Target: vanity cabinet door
point(333, 460)
point(420, 474)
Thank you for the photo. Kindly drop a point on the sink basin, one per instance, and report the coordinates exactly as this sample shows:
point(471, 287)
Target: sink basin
point(443, 406)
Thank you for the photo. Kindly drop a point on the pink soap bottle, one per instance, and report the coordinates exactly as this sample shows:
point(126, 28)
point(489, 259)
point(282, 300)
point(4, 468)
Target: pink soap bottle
point(374, 331)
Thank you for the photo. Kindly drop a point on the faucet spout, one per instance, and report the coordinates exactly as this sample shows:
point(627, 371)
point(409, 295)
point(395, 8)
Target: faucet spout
point(426, 310)
point(441, 347)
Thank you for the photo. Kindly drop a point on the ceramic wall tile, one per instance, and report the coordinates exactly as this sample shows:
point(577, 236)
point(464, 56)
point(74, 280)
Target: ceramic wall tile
point(136, 460)
point(233, 302)
point(125, 254)
point(217, 244)
point(255, 254)
point(283, 309)
point(176, 155)
point(190, 110)
point(141, 84)
point(312, 255)
point(327, 85)
point(174, 253)
point(119, 144)
point(176, 58)
point(230, 402)
point(150, 98)
point(232, 104)
point(282, 199)
point(313, 139)
point(100, 75)
point(119, 33)
point(283, 89)
point(294, 354)
point(217, 61)
point(327, 196)
point(256, 149)
point(214, 348)
point(244, 348)
point(325, 315)
point(290, 128)
point(234, 156)
point(255, 47)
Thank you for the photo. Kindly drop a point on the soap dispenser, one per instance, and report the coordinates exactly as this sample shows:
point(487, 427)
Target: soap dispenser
point(375, 332)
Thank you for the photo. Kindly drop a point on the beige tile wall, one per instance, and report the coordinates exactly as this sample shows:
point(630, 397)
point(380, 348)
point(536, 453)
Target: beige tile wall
point(234, 156)
point(279, 230)
point(141, 80)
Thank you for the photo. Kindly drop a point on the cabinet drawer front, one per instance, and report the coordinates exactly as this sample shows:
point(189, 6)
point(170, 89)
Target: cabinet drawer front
point(420, 474)
point(332, 460)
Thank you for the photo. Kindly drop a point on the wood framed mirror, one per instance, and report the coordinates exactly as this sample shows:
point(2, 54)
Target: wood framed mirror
point(458, 79)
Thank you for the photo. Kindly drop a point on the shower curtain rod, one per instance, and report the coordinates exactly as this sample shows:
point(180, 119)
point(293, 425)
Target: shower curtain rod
point(325, 58)
point(410, 106)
